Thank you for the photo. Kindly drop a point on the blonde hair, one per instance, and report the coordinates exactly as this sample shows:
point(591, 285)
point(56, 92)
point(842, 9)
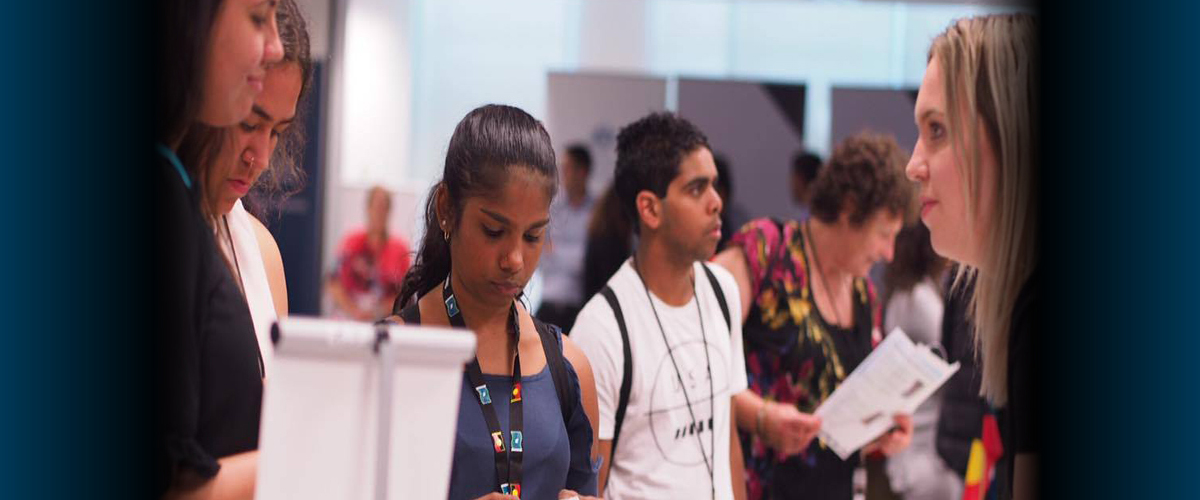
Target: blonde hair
point(990, 69)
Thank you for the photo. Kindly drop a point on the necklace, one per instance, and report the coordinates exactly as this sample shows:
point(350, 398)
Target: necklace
point(837, 316)
point(262, 363)
point(679, 376)
point(233, 251)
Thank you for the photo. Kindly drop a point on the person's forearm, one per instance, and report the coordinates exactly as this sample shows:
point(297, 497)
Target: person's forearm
point(1025, 476)
point(385, 305)
point(341, 300)
point(235, 481)
point(605, 452)
point(737, 465)
point(746, 407)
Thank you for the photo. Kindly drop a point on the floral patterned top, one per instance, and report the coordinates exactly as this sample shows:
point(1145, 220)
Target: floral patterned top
point(794, 356)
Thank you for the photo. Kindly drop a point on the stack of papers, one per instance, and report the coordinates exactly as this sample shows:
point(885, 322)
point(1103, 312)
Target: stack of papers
point(895, 378)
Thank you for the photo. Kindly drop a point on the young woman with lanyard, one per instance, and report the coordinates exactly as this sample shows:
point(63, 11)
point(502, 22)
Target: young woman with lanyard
point(210, 61)
point(485, 225)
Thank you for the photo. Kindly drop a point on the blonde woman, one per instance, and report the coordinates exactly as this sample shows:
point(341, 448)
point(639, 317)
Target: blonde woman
point(975, 159)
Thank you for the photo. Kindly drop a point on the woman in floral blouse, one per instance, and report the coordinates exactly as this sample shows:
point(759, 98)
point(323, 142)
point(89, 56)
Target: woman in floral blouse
point(812, 317)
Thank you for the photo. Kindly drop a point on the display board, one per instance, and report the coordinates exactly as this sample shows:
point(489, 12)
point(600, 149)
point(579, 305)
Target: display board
point(354, 411)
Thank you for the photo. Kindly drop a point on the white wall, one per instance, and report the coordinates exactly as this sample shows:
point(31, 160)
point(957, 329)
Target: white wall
point(370, 112)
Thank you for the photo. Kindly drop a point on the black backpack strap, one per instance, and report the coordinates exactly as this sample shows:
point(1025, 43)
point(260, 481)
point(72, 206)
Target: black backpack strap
point(552, 346)
point(712, 280)
point(627, 371)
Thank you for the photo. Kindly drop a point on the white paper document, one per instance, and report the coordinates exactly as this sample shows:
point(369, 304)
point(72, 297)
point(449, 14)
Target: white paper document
point(896, 377)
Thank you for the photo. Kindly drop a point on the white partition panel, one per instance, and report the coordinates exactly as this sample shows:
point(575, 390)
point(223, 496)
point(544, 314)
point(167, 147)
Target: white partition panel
point(321, 429)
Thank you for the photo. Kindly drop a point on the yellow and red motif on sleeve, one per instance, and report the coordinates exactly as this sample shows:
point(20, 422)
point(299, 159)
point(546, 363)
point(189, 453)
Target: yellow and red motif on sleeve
point(981, 465)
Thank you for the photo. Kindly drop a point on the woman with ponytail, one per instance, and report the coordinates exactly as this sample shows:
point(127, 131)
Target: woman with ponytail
point(523, 429)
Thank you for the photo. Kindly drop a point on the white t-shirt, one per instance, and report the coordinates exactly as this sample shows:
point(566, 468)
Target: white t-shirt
point(249, 264)
point(918, 312)
point(659, 455)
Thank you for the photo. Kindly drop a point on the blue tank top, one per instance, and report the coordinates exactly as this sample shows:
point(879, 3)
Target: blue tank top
point(556, 456)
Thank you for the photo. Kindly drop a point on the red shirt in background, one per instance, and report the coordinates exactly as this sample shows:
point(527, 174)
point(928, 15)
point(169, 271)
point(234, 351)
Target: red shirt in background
point(368, 276)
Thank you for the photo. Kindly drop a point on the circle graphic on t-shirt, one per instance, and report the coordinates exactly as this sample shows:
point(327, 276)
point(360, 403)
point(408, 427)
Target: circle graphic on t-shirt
point(674, 429)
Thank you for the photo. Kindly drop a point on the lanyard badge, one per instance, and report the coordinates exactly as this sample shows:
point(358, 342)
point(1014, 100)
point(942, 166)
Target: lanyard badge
point(508, 453)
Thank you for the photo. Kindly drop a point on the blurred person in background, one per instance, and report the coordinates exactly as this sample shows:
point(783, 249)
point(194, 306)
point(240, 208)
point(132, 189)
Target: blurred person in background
point(914, 304)
point(812, 316)
point(960, 418)
point(258, 159)
point(370, 265)
point(210, 60)
point(609, 242)
point(976, 160)
point(562, 265)
point(733, 215)
point(805, 166)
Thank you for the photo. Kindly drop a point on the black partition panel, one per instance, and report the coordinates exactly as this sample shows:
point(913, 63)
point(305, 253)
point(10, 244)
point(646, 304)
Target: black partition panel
point(888, 111)
point(297, 225)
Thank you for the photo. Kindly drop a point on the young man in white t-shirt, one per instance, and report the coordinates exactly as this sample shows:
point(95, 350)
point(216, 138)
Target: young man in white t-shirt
point(677, 437)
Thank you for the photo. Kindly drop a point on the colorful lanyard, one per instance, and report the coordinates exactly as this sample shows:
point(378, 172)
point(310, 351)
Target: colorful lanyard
point(508, 462)
point(174, 159)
